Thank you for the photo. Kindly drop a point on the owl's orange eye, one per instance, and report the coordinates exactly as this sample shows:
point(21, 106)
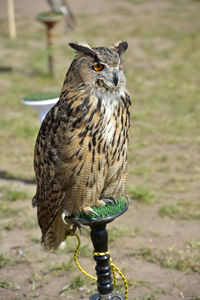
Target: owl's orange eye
point(98, 67)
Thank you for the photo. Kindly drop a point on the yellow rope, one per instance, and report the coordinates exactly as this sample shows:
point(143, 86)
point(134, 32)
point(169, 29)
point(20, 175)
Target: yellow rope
point(101, 253)
point(76, 258)
point(113, 267)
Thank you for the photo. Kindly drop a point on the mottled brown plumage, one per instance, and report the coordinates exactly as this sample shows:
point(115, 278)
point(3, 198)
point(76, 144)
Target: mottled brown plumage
point(81, 149)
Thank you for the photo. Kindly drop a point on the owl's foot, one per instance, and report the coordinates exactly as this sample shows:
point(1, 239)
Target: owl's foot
point(110, 200)
point(74, 226)
point(89, 211)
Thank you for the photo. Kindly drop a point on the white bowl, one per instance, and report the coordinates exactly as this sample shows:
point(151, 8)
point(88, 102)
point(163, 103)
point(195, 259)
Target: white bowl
point(43, 106)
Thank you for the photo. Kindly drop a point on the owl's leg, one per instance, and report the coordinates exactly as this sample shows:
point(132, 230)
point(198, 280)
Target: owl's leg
point(111, 200)
point(88, 211)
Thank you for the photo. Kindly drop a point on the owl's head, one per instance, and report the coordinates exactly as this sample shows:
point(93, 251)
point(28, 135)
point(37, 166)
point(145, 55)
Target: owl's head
point(98, 67)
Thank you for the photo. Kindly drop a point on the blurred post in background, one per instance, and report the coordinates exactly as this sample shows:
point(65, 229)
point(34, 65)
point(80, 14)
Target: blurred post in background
point(11, 19)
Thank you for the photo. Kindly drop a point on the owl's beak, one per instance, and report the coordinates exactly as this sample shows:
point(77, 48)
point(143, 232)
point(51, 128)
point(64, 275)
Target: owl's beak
point(115, 78)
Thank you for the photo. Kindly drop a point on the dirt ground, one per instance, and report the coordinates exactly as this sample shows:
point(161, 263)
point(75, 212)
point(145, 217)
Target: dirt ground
point(156, 243)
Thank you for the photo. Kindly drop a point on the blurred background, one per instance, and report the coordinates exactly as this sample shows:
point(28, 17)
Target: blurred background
point(160, 232)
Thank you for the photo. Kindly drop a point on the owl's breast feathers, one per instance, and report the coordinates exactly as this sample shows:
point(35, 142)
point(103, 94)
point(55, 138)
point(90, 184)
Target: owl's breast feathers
point(80, 153)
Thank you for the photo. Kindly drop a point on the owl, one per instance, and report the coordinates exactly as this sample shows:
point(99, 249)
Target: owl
point(80, 158)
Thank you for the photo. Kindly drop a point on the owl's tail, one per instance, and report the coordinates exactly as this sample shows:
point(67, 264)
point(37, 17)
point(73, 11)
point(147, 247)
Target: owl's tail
point(57, 233)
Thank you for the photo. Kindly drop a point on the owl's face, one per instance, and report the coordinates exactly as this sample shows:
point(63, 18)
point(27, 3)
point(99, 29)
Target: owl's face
point(100, 67)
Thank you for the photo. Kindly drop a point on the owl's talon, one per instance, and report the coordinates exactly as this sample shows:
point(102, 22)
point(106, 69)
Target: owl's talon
point(128, 198)
point(110, 200)
point(64, 214)
point(91, 211)
point(75, 226)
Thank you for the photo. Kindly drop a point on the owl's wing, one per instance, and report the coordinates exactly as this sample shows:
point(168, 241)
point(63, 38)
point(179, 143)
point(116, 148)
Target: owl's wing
point(48, 165)
point(58, 151)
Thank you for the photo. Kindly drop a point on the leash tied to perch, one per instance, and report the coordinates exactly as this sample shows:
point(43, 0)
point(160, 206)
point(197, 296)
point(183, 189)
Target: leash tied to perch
point(113, 267)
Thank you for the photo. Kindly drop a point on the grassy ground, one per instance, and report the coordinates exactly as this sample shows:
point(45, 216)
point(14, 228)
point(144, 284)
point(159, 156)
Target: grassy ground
point(160, 232)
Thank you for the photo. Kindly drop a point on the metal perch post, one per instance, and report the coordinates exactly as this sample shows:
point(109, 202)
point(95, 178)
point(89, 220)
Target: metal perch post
point(50, 20)
point(99, 237)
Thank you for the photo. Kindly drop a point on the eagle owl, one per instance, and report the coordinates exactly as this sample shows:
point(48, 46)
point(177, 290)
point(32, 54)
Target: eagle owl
point(81, 149)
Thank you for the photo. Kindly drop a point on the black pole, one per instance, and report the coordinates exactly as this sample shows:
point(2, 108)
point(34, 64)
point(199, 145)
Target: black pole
point(99, 237)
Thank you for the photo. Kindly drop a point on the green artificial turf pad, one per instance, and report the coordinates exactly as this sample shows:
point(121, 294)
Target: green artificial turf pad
point(48, 14)
point(37, 96)
point(104, 211)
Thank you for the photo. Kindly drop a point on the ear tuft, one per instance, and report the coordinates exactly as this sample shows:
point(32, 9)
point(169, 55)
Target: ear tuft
point(84, 45)
point(84, 49)
point(120, 47)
